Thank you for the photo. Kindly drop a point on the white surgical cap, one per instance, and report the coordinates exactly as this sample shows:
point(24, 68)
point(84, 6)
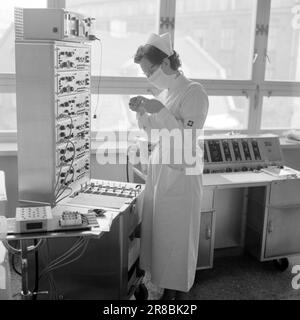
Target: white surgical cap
point(162, 42)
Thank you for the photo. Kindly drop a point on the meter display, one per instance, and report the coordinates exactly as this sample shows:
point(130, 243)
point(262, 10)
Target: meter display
point(236, 150)
point(256, 150)
point(205, 154)
point(246, 149)
point(226, 150)
point(215, 151)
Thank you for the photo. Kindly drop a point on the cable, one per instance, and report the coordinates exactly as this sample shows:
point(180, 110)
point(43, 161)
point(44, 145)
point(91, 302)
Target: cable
point(66, 196)
point(127, 167)
point(14, 266)
point(67, 173)
point(78, 242)
point(64, 256)
point(36, 279)
point(81, 242)
point(100, 72)
point(69, 141)
point(53, 266)
point(73, 260)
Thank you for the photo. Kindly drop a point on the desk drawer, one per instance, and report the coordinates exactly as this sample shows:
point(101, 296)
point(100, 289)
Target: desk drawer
point(285, 192)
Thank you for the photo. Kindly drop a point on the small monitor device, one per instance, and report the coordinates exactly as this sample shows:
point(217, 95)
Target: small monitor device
point(33, 219)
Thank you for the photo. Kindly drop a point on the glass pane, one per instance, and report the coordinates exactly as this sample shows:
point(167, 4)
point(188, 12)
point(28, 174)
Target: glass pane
point(227, 113)
point(8, 115)
point(283, 63)
point(281, 113)
point(113, 113)
point(7, 32)
point(215, 38)
point(122, 26)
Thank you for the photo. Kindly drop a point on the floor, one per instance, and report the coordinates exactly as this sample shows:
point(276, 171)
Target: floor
point(232, 278)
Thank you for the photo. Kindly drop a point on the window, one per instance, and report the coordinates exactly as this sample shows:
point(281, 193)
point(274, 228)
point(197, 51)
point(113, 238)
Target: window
point(122, 26)
point(211, 61)
point(7, 32)
point(281, 113)
point(113, 113)
point(284, 40)
point(224, 44)
point(227, 113)
point(8, 121)
point(227, 39)
point(7, 58)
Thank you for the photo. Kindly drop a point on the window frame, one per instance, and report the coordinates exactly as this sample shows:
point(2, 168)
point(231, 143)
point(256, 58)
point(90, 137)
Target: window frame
point(254, 89)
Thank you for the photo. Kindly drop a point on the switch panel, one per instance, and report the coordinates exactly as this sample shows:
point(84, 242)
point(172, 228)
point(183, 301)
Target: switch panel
point(74, 105)
point(241, 153)
point(72, 82)
point(72, 59)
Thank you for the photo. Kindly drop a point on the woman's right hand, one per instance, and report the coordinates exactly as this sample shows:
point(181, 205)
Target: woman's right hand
point(136, 104)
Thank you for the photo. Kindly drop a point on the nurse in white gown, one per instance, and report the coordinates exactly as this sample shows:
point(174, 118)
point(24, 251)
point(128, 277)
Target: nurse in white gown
point(172, 198)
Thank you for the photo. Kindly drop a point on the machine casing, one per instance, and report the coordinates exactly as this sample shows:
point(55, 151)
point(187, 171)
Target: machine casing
point(52, 24)
point(40, 97)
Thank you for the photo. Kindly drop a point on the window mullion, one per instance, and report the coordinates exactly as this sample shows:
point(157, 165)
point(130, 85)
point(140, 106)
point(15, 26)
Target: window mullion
point(261, 40)
point(259, 62)
point(167, 17)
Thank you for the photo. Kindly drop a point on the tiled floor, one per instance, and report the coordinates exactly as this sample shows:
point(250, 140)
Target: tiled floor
point(232, 278)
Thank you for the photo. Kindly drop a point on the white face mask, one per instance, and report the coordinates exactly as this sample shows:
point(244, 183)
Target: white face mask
point(161, 80)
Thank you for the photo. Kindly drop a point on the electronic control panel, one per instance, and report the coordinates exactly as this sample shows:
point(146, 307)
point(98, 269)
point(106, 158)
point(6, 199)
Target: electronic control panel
point(112, 188)
point(112, 195)
point(54, 118)
point(241, 153)
point(52, 24)
point(74, 59)
point(72, 82)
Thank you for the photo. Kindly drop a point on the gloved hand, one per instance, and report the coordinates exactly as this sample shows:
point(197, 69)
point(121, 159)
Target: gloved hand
point(141, 104)
point(136, 103)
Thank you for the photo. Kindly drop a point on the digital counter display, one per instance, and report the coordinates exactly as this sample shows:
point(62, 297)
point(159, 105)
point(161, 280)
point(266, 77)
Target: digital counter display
point(226, 150)
point(34, 225)
point(246, 149)
point(236, 150)
point(256, 150)
point(215, 151)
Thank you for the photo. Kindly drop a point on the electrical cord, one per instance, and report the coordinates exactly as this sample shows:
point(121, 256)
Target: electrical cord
point(69, 141)
point(100, 72)
point(66, 196)
point(78, 242)
point(36, 279)
point(127, 167)
point(53, 291)
point(53, 266)
point(14, 265)
point(67, 174)
point(55, 263)
point(84, 246)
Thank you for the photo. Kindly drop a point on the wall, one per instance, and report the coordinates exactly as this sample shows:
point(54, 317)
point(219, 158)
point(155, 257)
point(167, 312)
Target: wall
point(8, 164)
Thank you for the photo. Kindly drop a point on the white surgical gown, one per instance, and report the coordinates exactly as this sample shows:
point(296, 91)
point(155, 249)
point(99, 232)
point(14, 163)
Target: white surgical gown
point(172, 199)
